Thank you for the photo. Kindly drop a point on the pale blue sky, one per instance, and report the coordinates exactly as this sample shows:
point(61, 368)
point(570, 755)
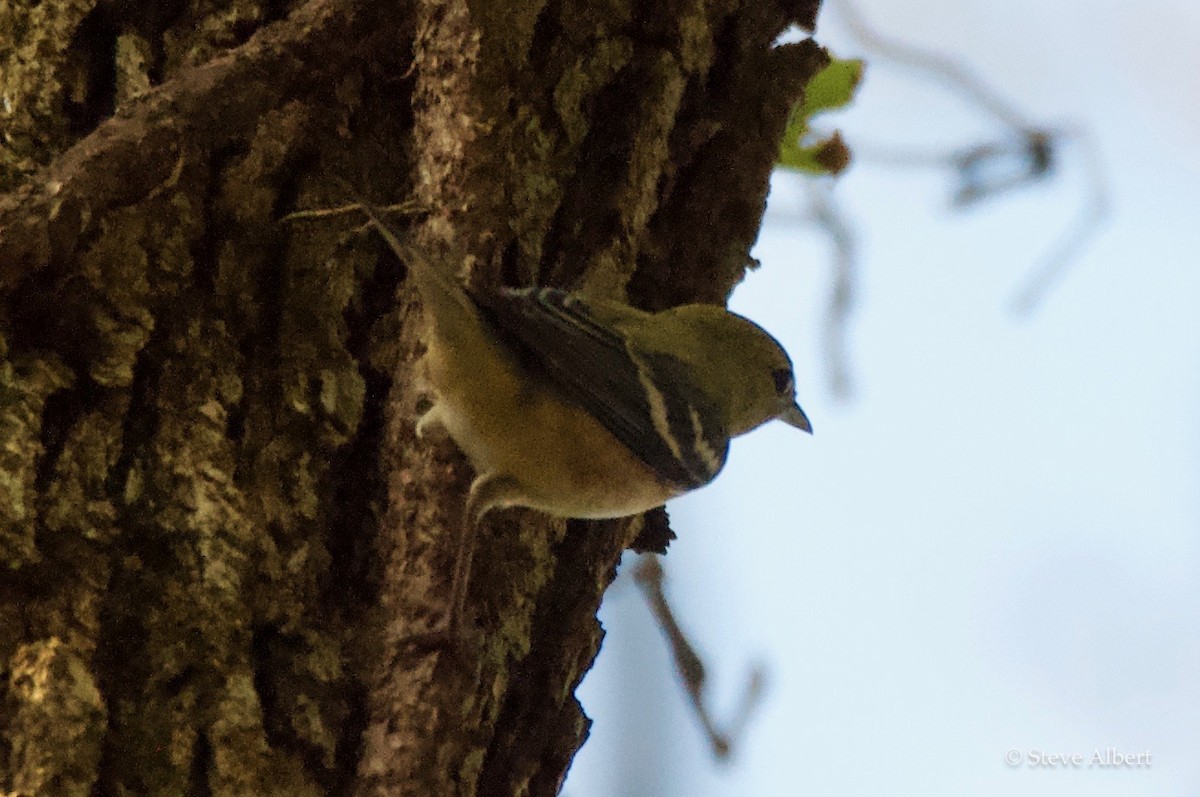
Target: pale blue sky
point(995, 546)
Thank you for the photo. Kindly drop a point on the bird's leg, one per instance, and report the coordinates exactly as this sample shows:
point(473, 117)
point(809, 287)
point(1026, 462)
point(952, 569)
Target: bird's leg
point(431, 426)
point(491, 491)
point(454, 630)
point(487, 492)
point(460, 576)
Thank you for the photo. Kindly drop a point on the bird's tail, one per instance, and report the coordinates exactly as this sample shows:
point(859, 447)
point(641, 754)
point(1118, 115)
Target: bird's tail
point(448, 307)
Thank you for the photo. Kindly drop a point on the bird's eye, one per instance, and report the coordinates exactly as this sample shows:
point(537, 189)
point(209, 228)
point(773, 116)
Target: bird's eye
point(783, 380)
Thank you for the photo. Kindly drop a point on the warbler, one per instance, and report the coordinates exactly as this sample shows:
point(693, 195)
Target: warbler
point(589, 408)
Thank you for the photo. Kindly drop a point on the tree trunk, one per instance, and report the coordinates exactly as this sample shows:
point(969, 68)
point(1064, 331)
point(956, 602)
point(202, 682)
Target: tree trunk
point(219, 533)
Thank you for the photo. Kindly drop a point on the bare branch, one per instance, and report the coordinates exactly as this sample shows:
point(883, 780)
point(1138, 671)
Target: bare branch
point(649, 576)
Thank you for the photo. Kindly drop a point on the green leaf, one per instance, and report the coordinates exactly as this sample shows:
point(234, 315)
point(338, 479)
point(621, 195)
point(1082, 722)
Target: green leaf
point(832, 87)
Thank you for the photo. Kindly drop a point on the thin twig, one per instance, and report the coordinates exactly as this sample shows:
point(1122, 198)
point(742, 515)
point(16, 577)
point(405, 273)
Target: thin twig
point(1089, 219)
point(409, 206)
point(844, 294)
point(1032, 151)
point(939, 66)
point(649, 576)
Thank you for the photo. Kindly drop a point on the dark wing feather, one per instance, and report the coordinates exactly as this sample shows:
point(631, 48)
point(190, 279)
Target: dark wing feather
point(637, 400)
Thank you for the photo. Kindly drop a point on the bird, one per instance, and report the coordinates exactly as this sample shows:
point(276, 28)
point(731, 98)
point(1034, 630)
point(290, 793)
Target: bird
point(582, 407)
point(590, 408)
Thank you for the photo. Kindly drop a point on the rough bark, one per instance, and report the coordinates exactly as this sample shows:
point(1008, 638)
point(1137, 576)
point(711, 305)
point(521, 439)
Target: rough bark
point(217, 528)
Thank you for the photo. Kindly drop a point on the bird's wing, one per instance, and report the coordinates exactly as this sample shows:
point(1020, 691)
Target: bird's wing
point(647, 400)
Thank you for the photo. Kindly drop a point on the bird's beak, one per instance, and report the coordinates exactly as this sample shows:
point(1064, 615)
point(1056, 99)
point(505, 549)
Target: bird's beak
point(794, 416)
